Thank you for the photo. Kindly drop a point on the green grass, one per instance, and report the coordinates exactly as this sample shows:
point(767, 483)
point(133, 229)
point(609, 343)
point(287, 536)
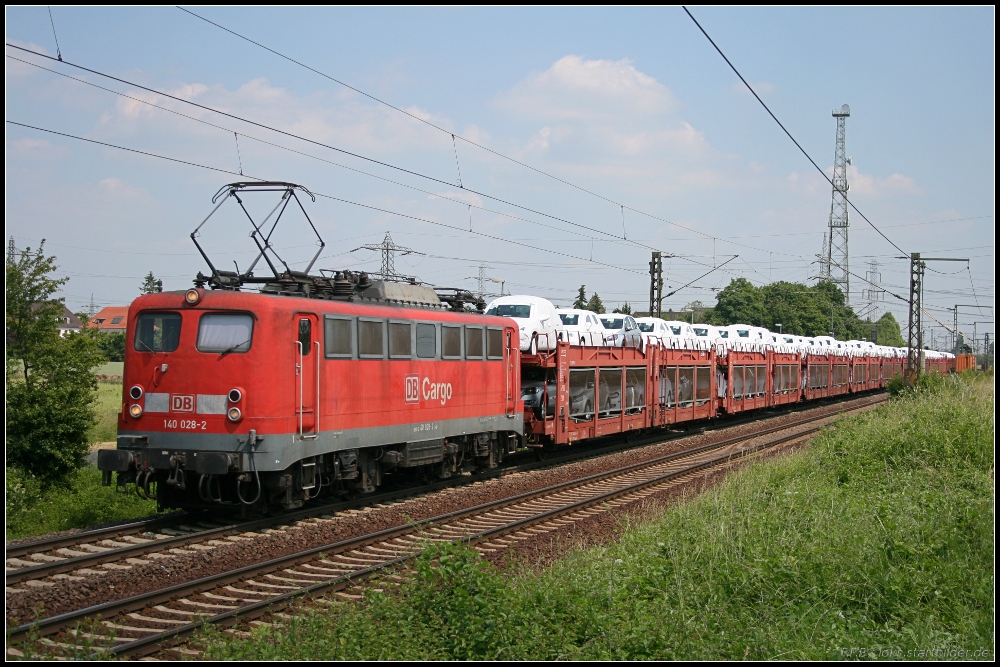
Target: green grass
point(110, 368)
point(82, 503)
point(879, 538)
point(107, 405)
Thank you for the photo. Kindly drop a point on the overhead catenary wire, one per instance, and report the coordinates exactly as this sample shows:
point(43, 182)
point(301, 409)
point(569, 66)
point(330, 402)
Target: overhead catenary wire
point(318, 143)
point(455, 136)
point(315, 142)
point(789, 134)
point(435, 194)
point(330, 197)
point(334, 148)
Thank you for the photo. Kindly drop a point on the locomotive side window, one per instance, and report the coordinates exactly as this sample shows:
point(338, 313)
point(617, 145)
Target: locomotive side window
point(370, 338)
point(305, 335)
point(426, 341)
point(400, 339)
point(494, 343)
point(157, 332)
point(224, 332)
point(473, 342)
point(451, 342)
point(338, 340)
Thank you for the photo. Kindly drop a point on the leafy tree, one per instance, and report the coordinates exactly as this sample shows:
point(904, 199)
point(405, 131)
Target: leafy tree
point(888, 331)
point(150, 284)
point(595, 304)
point(50, 381)
point(581, 298)
point(112, 345)
point(624, 309)
point(802, 310)
point(740, 303)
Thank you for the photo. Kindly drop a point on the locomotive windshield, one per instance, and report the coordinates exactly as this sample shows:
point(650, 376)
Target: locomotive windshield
point(510, 310)
point(225, 332)
point(157, 332)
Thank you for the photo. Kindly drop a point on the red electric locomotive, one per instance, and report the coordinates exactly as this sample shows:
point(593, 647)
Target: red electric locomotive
point(249, 398)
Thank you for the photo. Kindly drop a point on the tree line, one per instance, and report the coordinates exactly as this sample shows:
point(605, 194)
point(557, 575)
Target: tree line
point(801, 310)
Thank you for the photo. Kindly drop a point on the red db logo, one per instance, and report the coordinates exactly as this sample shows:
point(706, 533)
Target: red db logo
point(412, 388)
point(180, 403)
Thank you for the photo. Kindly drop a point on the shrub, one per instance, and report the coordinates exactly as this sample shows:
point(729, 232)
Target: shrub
point(50, 382)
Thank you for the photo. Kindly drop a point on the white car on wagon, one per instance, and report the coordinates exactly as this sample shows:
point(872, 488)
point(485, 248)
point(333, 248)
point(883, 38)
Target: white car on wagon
point(655, 329)
point(536, 318)
point(621, 330)
point(580, 327)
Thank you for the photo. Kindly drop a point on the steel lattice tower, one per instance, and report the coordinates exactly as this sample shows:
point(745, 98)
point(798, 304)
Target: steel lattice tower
point(835, 263)
point(389, 249)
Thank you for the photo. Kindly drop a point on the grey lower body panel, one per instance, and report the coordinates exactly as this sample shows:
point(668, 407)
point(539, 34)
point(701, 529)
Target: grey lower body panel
point(275, 452)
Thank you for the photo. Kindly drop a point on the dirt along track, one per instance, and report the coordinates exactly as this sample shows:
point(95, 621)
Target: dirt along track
point(256, 547)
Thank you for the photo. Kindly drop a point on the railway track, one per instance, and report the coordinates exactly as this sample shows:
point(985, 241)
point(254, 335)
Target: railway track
point(146, 624)
point(39, 563)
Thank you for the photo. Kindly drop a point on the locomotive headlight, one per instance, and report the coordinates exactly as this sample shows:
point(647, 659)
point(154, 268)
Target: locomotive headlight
point(235, 395)
point(135, 392)
point(135, 411)
point(192, 296)
point(234, 414)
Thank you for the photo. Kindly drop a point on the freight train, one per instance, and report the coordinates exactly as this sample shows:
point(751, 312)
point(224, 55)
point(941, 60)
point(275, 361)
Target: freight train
point(265, 392)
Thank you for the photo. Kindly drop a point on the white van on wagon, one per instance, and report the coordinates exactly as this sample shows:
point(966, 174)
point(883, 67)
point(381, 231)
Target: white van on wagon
point(536, 319)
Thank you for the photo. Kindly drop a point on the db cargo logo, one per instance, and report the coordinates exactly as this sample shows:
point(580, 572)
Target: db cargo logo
point(412, 388)
point(416, 389)
point(181, 403)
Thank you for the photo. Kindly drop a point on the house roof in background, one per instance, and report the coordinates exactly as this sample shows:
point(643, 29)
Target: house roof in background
point(110, 318)
point(69, 321)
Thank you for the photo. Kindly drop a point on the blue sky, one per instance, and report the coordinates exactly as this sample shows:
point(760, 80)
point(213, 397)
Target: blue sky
point(633, 105)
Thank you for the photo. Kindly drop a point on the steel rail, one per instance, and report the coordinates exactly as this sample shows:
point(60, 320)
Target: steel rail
point(153, 643)
point(113, 554)
point(97, 534)
point(45, 627)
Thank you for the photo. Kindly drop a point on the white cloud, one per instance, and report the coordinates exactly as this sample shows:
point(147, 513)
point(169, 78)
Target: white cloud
point(115, 188)
point(867, 185)
point(684, 139)
point(578, 89)
point(13, 68)
point(340, 119)
point(35, 149)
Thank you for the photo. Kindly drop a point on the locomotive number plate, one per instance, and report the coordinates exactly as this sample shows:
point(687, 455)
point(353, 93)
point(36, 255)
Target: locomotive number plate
point(186, 424)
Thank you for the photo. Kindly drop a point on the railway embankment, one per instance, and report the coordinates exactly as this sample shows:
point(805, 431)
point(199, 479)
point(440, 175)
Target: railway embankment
point(874, 541)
